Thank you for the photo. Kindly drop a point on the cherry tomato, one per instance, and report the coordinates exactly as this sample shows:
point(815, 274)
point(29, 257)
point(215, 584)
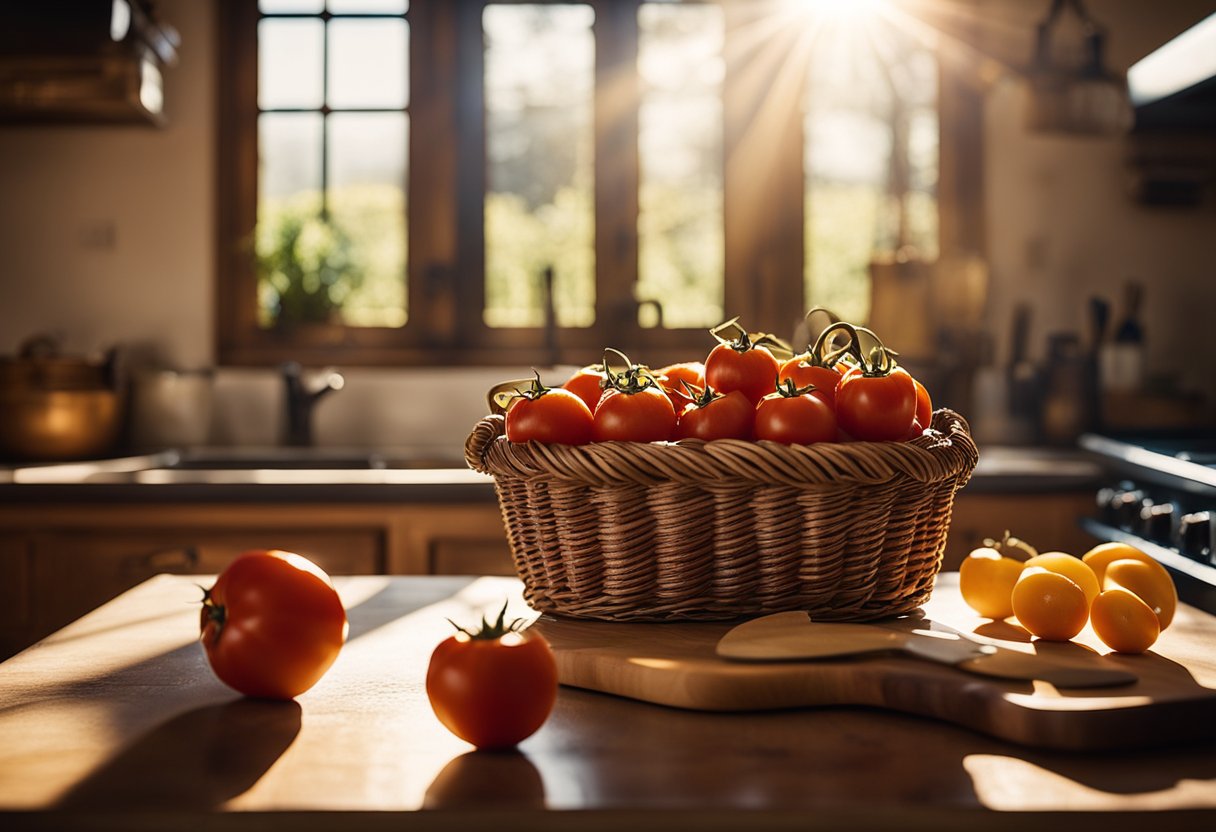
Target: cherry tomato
point(743, 366)
point(1150, 582)
point(588, 384)
point(795, 417)
point(1049, 605)
point(272, 624)
point(716, 416)
point(495, 686)
point(986, 579)
point(803, 373)
point(1075, 569)
point(673, 377)
point(642, 415)
point(924, 406)
point(549, 415)
point(1104, 554)
point(876, 408)
point(1123, 621)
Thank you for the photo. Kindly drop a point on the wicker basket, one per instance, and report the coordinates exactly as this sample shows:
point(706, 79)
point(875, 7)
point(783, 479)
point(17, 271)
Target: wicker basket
point(696, 530)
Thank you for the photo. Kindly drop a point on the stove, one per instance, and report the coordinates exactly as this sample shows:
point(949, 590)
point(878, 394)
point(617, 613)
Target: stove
point(1160, 496)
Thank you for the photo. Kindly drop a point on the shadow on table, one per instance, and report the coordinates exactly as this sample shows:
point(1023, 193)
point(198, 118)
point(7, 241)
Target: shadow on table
point(487, 780)
point(197, 760)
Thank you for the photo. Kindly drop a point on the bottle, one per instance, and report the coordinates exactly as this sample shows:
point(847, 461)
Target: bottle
point(1122, 364)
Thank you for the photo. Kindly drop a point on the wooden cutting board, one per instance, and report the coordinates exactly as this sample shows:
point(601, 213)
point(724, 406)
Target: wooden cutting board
point(1173, 700)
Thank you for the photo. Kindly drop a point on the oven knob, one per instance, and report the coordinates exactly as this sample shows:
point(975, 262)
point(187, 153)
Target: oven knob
point(1157, 522)
point(1127, 505)
point(1195, 535)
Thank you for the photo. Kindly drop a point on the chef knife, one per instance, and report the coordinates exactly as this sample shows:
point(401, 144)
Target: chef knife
point(792, 636)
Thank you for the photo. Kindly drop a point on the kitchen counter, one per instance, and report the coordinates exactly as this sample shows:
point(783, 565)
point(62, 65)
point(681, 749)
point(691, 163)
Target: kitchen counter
point(116, 722)
point(334, 475)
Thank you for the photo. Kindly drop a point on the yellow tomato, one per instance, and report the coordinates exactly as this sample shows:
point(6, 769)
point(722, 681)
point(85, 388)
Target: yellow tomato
point(1075, 569)
point(1102, 555)
point(1049, 605)
point(986, 580)
point(1123, 621)
point(1154, 585)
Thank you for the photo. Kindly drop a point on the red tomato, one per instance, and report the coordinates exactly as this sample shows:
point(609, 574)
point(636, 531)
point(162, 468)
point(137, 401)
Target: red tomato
point(272, 624)
point(924, 406)
point(803, 374)
point(717, 417)
point(493, 687)
point(672, 377)
point(645, 415)
point(553, 415)
point(587, 384)
point(876, 408)
point(795, 419)
point(751, 370)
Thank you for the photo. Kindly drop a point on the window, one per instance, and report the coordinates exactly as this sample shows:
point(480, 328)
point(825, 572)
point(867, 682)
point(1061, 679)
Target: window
point(463, 181)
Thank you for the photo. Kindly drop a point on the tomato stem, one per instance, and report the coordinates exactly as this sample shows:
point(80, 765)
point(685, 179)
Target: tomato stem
point(880, 361)
point(489, 632)
point(633, 379)
point(213, 612)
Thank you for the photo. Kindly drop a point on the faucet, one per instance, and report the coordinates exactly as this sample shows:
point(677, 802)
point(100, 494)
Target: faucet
point(302, 392)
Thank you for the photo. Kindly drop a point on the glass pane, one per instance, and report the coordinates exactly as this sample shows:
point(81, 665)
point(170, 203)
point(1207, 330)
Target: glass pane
point(290, 243)
point(539, 78)
point(367, 63)
point(367, 187)
point(291, 6)
point(871, 139)
point(368, 6)
point(680, 222)
point(290, 59)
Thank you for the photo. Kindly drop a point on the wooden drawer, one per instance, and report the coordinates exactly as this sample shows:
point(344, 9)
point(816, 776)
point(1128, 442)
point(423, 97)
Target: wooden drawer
point(471, 556)
point(74, 572)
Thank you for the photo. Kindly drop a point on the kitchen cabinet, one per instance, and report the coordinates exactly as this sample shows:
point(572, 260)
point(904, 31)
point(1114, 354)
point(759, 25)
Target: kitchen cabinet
point(57, 562)
point(1046, 520)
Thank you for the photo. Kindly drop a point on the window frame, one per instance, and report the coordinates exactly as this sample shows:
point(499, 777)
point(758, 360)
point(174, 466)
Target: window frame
point(763, 203)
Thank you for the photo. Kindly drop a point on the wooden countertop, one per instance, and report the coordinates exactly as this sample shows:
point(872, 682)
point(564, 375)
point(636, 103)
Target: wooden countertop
point(116, 722)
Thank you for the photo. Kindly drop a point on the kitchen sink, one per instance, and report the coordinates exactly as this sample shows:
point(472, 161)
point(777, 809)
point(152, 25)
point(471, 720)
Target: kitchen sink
point(252, 465)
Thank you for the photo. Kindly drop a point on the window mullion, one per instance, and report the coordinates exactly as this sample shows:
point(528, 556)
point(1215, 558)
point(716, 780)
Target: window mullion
point(617, 177)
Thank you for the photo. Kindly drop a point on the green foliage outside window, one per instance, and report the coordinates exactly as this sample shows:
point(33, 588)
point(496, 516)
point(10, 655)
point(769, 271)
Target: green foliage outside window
point(348, 268)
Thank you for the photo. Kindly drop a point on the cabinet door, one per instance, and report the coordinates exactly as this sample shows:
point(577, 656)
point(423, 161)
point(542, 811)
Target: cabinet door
point(1049, 522)
point(15, 620)
point(74, 572)
point(451, 540)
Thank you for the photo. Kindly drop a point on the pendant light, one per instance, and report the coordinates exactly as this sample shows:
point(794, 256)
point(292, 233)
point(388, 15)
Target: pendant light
point(1071, 88)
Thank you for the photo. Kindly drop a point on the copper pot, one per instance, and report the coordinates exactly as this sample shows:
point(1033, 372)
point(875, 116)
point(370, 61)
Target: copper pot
point(55, 407)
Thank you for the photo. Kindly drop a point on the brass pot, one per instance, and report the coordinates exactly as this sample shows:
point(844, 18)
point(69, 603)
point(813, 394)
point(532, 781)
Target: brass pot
point(55, 407)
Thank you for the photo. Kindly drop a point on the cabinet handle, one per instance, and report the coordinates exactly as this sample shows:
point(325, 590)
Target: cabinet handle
point(178, 559)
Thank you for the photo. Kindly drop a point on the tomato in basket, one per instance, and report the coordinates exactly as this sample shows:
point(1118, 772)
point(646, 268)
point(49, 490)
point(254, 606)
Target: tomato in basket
point(876, 406)
point(634, 407)
point(547, 414)
point(712, 415)
point(804, 370)
point(741, 365)
point(795, 416)
point(588, 384)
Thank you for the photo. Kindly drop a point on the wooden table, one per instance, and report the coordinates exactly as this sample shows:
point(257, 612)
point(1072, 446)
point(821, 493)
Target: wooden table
point(116, 722)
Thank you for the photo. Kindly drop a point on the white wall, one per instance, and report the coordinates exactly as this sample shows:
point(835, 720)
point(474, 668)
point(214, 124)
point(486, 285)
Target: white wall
point(1060, 229)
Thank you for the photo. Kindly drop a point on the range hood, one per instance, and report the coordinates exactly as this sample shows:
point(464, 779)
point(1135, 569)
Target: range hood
point(1173, 142)
point(84, 62)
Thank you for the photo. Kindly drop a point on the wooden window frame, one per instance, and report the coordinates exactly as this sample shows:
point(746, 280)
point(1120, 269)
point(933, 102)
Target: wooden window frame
point(762, 202)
